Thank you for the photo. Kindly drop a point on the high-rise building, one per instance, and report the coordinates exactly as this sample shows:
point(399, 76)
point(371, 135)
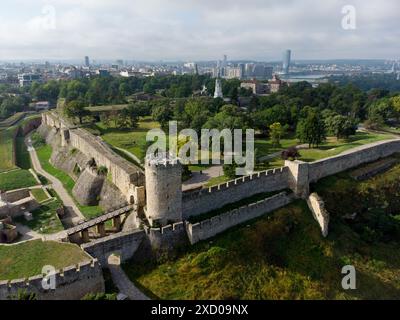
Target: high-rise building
point(249, 70)
point(218, 89)
point(26, 79)
point(286, 62)
point(225, 61)
point(87, 62)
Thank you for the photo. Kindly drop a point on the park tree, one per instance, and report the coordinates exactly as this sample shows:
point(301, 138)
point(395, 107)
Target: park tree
point(341, 126)
point(76, 109)
point(230, 117)
point(133, 113)
point(395, 102)
point(276, 131)
point(230, 170)
point(375, 121)
point(163, 114)
point(123, 121)
point(195, 114)
point(311, 130)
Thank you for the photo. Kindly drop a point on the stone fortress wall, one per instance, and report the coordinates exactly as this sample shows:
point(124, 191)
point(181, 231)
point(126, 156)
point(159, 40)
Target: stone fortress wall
point(295, 175)
point(352, 158)
point(209, 228)
point(123, 244)
point(123, 174)
point(72, 283)
point(302, 173)
point(198, 202)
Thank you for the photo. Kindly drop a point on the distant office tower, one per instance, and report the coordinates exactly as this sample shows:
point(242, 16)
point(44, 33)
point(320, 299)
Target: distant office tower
point(249, 70)
point(242, 68)
point(261, 71)
point(87, 62)
point(286, 61)
point(218, 89)
point(224, 65)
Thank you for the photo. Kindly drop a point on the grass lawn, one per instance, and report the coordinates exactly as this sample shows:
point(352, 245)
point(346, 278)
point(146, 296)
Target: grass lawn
point(39, 195)
point(133, 141)
point(28, 258)
point(44, 154)
point(217, 180)
point(16, 179)
point(7, 149)
point(116, 107)
point(265, 147)
point(45, 219)
point(334, 147)
point(280, 256)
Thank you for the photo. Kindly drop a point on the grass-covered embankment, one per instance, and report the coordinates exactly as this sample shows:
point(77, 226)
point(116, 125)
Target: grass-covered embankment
point(28, 258)
point(44, 155)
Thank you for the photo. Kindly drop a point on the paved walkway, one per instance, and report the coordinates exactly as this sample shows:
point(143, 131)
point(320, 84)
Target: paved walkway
point(75, 214)
point(26, 233)
point(122, 281)
point(198, 180)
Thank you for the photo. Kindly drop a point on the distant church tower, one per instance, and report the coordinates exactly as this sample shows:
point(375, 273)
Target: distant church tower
point(163, 189)
point(218, 89)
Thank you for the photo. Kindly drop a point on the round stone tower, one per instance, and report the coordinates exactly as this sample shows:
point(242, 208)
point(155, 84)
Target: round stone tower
point(163, 189)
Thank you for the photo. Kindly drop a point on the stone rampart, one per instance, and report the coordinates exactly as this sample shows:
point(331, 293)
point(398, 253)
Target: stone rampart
point(321, 215)
point(72, 283)
point(166, 238)
point(202, 201)
point(123, 174)
point(211, 227)
point(123, 244)
point(352, 158)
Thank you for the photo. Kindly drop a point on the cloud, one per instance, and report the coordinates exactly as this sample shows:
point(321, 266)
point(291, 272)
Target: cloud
point(197, 29)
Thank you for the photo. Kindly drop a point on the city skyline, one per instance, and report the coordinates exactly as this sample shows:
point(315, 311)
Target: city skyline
point(153, 30)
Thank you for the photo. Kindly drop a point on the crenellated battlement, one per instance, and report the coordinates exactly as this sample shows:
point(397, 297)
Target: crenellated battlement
point(235, 182)
point(71, 282)
point(210, 227)
point(204, 200)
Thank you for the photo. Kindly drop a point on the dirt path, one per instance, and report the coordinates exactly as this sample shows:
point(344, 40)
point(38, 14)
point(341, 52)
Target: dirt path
point(122, 281)
point(74, 212)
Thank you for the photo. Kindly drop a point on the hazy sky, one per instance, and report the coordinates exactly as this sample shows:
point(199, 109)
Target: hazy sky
point(197, 29)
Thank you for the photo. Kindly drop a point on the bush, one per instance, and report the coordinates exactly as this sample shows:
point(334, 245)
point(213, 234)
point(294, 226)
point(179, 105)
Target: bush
point(37, 140)
point(100, 296)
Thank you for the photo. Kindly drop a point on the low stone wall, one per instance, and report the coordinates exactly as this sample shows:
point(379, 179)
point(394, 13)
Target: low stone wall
point(15, 195)
point(321, 215)
point(211, 227)
point(202, 201)
point(72, 283)
point(124, 244)
point(19, 202)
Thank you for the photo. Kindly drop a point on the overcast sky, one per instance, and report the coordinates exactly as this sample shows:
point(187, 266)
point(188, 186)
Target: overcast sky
point(197, 29)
